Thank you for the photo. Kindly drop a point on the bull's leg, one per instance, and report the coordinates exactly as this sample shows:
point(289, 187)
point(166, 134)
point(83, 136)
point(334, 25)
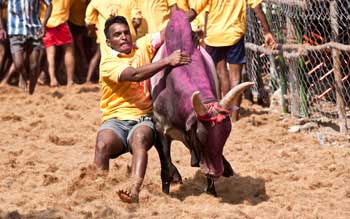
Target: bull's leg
point(169, 173)
point(211, 187)
point(228, 171)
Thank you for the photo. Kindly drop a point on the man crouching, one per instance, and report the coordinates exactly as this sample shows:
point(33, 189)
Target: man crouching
point(126, 104)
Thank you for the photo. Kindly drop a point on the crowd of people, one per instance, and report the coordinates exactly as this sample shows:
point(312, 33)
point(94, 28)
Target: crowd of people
point(125, 35)
point(46, 42)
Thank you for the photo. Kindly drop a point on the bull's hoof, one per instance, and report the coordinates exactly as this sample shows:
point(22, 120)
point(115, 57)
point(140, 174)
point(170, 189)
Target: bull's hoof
point(175, 175)
point(171, 177)
point(211, 187)
point(228, 171)
point(166, 187)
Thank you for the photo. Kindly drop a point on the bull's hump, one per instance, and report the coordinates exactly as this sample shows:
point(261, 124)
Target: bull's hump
point(178, 33)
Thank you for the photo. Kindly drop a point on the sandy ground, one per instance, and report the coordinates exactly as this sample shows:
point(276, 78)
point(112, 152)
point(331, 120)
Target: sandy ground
point(47, 143)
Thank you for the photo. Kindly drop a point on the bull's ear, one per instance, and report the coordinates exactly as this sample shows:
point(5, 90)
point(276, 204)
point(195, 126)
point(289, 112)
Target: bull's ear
point(235, 92)
point(197, 104)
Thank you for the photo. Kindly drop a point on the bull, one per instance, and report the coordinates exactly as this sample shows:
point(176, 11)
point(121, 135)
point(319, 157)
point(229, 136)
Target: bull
point(186, 108)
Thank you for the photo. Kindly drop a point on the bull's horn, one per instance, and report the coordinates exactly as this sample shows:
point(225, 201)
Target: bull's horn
point(228, 99)
point(197, 104)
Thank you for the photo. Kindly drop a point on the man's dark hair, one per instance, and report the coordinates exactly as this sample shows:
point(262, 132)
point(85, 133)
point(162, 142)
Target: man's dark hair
point(112, 20)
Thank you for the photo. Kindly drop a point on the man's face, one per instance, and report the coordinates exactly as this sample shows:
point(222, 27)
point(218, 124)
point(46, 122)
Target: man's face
point(120, 38)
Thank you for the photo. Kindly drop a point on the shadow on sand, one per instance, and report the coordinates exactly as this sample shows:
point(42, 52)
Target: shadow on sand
point(233, 190)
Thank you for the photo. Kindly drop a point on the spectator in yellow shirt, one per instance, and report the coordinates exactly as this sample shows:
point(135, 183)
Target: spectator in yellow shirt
point(59, 34)
point(225, 37)
point(98, 11)
point(155, 14)
point(125, 103)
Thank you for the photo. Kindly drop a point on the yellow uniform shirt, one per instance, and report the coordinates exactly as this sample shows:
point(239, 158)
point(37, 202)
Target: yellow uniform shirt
point(98, 11)
point(155, 14)
point(182, 4)
point(125, 100)
point(60, 12)
point(226, 19)
point(77, 12)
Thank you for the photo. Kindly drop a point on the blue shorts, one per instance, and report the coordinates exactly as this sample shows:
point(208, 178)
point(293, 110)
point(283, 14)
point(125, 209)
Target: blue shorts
point(124, 128)
point(234, 54)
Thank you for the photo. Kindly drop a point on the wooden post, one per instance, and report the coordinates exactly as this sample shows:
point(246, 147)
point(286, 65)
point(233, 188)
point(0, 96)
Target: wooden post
point(293, 73)
point(337, 70)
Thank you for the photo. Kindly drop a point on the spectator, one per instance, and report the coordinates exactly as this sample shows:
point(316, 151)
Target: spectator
point(25, 36)
point(225, 37)
point(59, 34)
point(77, 27)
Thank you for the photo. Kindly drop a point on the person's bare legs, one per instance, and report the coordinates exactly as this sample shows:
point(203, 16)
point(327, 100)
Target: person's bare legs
point(18, 60)
point(93, 64)
point(80, 59)
point(223, 76)
point(9, 73)
point(235, 71)
point(69, 62)
point(141, 141)
point(50, 55)
point(2, 56)
point(33, 69)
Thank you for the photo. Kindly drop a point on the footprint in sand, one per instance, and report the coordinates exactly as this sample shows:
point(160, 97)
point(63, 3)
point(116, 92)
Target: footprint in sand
point(49, 179)
point(12, 117)
point(61, 140)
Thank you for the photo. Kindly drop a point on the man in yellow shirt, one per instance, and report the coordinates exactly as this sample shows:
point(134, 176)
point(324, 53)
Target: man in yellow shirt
point(125, 102)
point(225, 37)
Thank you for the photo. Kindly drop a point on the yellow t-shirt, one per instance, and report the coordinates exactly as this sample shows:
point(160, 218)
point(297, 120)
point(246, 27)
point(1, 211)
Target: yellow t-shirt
point(125, 100)
point(77, 12)
point(182, 4)
point(60, 12)
point(155, 13)
point(98, 11)
point(226, 19)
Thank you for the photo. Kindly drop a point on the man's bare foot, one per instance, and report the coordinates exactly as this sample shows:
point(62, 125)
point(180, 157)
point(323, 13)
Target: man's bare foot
point(53, 83)
point(41, 78)
point(130, 193)
point(127, 197)
point(70, 83)
point(22, 84)
point(3, 84)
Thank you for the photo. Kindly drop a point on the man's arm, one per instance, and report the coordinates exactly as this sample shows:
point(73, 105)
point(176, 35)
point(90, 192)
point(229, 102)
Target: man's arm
point(46, 17)
point(269, 39)
point(147, 71)
point(2, 29)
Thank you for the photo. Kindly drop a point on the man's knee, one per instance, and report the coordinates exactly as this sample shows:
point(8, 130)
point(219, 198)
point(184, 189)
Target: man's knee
point(143, 139)
point(102, 147)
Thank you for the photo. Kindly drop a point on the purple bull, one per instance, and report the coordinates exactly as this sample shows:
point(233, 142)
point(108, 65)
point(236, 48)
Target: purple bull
point(186, 107)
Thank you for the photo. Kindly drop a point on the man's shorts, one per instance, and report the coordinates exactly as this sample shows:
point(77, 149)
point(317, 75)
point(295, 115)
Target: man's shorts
point(234, 54)
point(20, 43)
point(57, 36)
point(77, 30)
point(124, 129)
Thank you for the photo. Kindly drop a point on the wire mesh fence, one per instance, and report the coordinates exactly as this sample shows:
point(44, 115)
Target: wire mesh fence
point(311, 65)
